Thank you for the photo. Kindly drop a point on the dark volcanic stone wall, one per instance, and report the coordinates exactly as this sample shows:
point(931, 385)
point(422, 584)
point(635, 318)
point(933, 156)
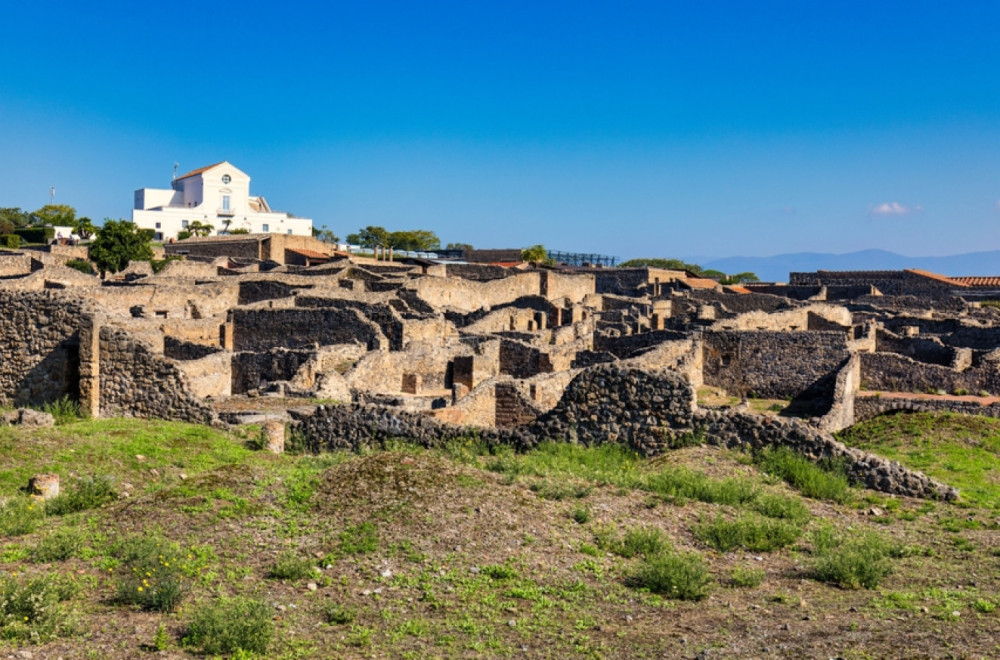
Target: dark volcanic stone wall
point(39, 360)
point(771, 364)
point(260, 330)
point(644, 411)
point(135, 382)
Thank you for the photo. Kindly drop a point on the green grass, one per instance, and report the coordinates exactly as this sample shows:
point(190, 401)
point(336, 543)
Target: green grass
point(231, 625)
point(683, 576)
point(635, 542)
point(750, 532)
point(960, 450)
point(33, 610)
point(289, 566)
point(86, 493)
point(851, 562)
point(812, 480)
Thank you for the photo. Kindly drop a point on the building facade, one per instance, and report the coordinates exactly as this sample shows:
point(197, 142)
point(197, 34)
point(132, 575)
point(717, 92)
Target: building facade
point(216, 195)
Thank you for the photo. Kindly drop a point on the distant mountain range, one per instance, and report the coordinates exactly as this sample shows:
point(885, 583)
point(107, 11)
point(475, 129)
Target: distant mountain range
point(777, 268)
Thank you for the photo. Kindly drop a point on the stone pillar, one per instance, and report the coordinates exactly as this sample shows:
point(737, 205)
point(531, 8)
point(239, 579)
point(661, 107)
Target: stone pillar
point(226, 336)
point(655, 322)
point(274, 436)
point(411, 384)
point(531, 326)
point(44, 486)
point(575, 314)
point(90, 364)
point(540, 319)
point(559, 317)
point(911, 330)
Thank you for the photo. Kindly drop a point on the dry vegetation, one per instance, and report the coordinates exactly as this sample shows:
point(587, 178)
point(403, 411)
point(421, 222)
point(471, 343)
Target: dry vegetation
point(456, 552)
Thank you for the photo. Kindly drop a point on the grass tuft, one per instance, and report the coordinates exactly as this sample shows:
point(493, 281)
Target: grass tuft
point(682, 576)
point(812, 480)
point(87, 493)
point(750, 532)
point(231, 626)
point(852, 562)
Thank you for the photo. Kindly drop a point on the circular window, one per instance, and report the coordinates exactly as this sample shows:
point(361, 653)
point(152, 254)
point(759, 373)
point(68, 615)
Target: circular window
point(226, 178)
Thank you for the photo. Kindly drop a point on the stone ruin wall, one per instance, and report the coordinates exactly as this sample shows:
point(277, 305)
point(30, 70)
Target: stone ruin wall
point(261, 329)
point(897, 373)
point(770, 364)
point(646, 412)
point(469, 296)
point(14, 264)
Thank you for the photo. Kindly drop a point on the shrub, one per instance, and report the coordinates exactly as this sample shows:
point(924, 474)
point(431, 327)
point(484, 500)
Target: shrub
point(20, 515)
point(749, 532)
point(88, 493)
point(676, 575)
point(160, 264)
point(290, 567)
point(65, 410)
point(12, 241)
point(32, 611)
point(860, 561)
point(681, 483)
point(743, 576)
point(231, 625)
point(337, 614)
point(35, 234)
point(638, 541)
point(819, 482)
point(81, 265)
point(581, 514)
point(781, 506)
point(59, 546)
point(150, 575)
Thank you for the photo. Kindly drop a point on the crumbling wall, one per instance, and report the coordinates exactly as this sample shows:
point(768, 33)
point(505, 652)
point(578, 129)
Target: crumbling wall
point(253, 371)
point(259, 330)
point(770, 364)
point(898, 373)
point(468, 295)
point(14, 264)
point(39, 358)
point(135, 382)
point(867, 406)
point(209, 375)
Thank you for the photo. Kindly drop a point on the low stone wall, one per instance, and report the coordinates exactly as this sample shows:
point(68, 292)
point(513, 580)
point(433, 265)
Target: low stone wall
point(647, 412)
point(260, 330)
point(897, 373)
point(868, 406)
point(841, 413)
point(251, 371)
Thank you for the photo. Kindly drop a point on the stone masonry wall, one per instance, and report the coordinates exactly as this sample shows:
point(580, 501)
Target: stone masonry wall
point(647, 412)
point(898, 373)
point(135, 382)
point(771, 364)
point(38, 347)
point(868, 406)
point(260, 330)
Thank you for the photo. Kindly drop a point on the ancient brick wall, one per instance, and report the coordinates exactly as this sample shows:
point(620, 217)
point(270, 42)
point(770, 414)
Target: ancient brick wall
point(251, 371)
point(512, 409)
point(771, 364)
point(38, 347)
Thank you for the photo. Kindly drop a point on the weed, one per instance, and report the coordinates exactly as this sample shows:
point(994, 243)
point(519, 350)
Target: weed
point(499, 572)
point(337, 614)
point(852, 563)
point(555, 490)
point(743, 576)
point(683, 576)
point(581, 514)
point(750, 532)
point(984, 606)
point(638, 541)
point(781, 506)
point(60, 545)
point(65, 410)
point(32, 611)
point(681, 483)
point(87, 493)
point(358, 539)
point(290, 567)
point(20, 515)
point(231, 625)
point(151, 573)
point(589, 550)
point(826, 482)
point(160, 640)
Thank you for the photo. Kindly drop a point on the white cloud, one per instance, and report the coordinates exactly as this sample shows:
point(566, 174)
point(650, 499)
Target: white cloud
point(895, 208)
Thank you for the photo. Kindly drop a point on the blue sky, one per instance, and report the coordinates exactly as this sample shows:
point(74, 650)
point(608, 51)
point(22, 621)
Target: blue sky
point(690, 129)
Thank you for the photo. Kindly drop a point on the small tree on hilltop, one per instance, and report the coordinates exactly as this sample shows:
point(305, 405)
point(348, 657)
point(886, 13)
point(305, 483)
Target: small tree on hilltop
point(119, 242)
point(535, 255)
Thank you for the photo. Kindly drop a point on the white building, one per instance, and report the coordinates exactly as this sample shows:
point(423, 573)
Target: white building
point(217, 195)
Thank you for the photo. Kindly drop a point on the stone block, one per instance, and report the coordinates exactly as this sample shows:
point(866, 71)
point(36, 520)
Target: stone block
point(44, 486)
point(411, 384)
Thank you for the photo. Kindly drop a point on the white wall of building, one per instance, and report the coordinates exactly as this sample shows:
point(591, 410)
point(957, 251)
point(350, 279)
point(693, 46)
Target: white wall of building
point(218, 195)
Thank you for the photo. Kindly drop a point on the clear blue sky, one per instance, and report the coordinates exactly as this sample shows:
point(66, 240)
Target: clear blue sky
point(686, 129)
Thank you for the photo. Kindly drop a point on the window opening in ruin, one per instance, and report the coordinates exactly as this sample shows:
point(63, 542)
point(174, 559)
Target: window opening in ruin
point(727, 360)
point(161, 315)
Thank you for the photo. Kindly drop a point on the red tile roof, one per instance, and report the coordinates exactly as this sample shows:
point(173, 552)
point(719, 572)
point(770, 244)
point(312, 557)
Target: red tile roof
point(979, 280)
point(935, 276)
point(200, 170)
point(310, 254)
point(737, 288)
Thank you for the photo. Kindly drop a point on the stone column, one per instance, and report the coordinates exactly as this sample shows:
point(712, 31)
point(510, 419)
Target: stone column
point(274, 436)
point(90, 364)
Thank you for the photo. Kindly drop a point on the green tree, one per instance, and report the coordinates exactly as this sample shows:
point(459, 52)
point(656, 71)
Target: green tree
point(57, 215)
point(84, 228)
point(325, 235)
point(12, 217)
point(198, 228)
point(119, 242)
point(739, 278)
point(536, 254)
point(669, 264)
point(419, 240)
point(464, 247)
point(370, 236)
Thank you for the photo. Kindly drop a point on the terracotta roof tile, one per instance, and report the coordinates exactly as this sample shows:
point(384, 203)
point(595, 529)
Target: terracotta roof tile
point(199, 170)
point(934, 276)
point(311, 254)
point(701, 283)
point(979, 280)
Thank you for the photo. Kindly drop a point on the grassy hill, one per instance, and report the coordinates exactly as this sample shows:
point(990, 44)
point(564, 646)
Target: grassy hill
point(176, 541)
